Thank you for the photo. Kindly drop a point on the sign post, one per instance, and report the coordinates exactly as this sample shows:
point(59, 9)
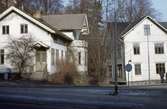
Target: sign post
point(128, 68)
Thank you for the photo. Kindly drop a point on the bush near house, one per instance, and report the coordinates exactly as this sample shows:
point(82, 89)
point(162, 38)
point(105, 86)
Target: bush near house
point(66, 73)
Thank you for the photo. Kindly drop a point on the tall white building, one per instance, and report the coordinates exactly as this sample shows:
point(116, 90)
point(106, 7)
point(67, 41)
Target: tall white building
point(145, 47)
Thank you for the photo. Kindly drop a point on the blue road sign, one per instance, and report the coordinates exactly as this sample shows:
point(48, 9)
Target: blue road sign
point(128, 67)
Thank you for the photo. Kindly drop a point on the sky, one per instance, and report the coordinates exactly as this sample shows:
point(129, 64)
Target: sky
point(161, 6)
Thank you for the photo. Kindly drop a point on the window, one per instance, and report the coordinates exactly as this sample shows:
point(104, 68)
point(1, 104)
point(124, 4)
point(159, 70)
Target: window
point(86, 58)
point(66, 55)
point(160, 68)
point(137, 69)
point(52, 56)
point(38, 56)
point(57, 56)
point(79, 57)
point(136, 49)
point(43, 56)
point(159, 48)
point(24, 28)
point(62, 54)
point(5, 29)
point(1, 56)
point(119, 70)
point(147, 30)
point(110, 70)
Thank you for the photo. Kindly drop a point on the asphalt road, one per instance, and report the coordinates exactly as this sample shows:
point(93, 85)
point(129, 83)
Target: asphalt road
point(83, 98)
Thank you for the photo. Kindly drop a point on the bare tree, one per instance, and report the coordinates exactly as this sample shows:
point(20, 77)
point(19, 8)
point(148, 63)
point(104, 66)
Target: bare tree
point(129, 10)
point(4, 4)
point(97, 58)
point(136, 9)
point(20, 53)
point(45, 6)
point(73, 6)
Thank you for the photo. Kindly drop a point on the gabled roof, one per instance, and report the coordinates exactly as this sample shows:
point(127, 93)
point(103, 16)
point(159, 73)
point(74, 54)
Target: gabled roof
point(133, 25)
point(66, 21)
point(33, 20)
point(40, 44)
point(42, 24)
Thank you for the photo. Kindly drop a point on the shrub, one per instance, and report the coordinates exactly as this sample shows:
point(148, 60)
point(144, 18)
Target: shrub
point(66, 73)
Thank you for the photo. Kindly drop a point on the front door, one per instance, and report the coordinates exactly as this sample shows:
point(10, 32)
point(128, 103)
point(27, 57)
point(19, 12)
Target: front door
point(41, 60)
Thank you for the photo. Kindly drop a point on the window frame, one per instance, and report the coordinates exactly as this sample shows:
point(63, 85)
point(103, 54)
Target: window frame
point(62, 54)
point(57, 56)
point(23, 28)
point(86, 55)
point(147, 30)
point(159, 67)
point(79, 58)
point(5, 29)
point(158, 47)
point(52, 56)
point(137, 68)
point(136, 49)
point(2, 54)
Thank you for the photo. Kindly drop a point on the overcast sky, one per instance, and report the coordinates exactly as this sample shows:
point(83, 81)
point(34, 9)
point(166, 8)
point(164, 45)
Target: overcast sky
point(161, 6)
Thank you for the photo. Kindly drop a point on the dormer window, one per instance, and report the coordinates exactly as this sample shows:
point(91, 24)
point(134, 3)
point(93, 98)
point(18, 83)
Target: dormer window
point(24, 28)
point(147, 30)
point(5, 29)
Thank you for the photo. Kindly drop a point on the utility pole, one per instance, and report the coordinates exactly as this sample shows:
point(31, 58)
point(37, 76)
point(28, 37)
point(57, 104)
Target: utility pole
point(148, 56)
point(114, 45)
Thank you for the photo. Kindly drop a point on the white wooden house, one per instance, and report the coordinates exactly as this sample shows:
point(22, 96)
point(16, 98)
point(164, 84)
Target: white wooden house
point(145, 47)
point(52, 40)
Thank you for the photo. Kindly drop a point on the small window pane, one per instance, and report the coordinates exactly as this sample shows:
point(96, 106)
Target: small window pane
point(137, 69)
point(2, 56)
point(43, 56)
point(52, 56)
point(38, 56)
point(159, 48)
point(147, 30)
point(24, 28)
point(85, 58)
point(160, 68)
point(5, 29)
point(57, 56)
point(136, 49)
point(62, 54)
point(79, 57)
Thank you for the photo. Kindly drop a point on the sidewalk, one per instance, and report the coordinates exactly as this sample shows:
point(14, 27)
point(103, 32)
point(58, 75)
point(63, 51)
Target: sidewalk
point(45, 84)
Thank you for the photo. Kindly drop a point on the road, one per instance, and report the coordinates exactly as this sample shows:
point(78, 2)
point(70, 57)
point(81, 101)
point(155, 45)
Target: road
point(83, 98)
